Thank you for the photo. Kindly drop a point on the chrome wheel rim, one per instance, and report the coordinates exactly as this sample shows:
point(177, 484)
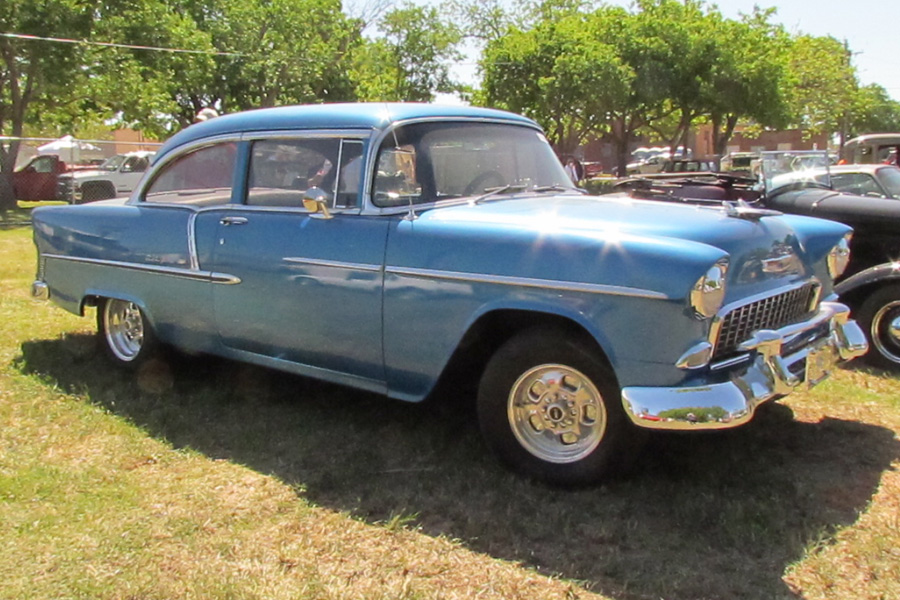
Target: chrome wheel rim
point(886, 331)
point(124, 328)
point(556, 413)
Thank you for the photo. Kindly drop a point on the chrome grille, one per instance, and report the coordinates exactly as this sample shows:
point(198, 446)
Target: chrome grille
point(772, 312)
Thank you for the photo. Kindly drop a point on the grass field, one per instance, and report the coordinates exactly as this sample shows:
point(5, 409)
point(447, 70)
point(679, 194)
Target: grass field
point(201, 478)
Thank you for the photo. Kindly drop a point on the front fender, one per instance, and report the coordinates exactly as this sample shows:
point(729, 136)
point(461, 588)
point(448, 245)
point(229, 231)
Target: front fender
point(877, 274)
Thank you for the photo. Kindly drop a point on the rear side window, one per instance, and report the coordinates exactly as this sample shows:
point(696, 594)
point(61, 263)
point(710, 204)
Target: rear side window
point(199, 178)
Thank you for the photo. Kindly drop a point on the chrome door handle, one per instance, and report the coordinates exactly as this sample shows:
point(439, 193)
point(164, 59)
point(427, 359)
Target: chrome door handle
point(233, 221)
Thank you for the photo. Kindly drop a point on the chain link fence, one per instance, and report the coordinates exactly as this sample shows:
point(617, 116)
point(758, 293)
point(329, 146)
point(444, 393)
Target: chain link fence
point(78, 170)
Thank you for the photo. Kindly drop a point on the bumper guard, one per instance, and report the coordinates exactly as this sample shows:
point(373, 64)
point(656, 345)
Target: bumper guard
point(768, 375)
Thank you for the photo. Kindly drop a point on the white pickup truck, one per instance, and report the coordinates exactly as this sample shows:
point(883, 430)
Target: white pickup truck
point(116, 176)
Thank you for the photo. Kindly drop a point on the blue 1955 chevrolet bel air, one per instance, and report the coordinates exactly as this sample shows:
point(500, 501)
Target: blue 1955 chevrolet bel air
point(384, 246)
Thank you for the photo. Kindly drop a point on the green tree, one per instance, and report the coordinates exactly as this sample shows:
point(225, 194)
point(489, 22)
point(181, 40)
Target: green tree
point(562, 73)
point(822, 83)
point(34, 72)
point(873, 111)
point(410, 60)
point(750, 78)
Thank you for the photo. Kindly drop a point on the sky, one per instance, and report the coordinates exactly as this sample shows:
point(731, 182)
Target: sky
point(870, 29)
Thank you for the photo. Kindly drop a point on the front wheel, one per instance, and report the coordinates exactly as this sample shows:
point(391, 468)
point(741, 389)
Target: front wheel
point(127, 336)
point(879, 316)
point(551, 409)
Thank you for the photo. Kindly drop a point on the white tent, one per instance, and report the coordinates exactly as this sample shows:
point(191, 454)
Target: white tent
point(68, 149)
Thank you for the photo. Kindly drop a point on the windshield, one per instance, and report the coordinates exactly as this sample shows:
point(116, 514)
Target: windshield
point(793, 168)
point(112, 163)
point(428, 162)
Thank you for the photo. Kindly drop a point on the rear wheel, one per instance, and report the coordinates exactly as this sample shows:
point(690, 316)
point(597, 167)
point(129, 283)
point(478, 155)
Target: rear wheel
point(551, 409)
point(127, 336)
point(879, 315)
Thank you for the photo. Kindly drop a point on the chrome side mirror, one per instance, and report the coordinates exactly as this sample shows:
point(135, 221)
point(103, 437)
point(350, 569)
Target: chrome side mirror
point(316, 201)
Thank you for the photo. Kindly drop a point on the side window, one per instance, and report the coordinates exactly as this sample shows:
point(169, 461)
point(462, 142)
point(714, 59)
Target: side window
point(282, 170)
point(860, 184)
point(200, 178)
point(135, 164)
point(43, 165)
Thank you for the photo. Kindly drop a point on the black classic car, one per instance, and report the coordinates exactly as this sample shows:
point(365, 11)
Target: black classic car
point(801, 183)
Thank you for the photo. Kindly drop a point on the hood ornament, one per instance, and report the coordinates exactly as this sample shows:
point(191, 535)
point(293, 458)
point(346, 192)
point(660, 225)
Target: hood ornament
point(739, 209)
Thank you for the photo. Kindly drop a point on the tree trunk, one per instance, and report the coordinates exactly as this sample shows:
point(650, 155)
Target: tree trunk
point(8, 158)
point(620, 135)
point(721, 137)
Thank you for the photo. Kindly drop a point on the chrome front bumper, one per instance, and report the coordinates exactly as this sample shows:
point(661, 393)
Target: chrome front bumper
point(832, 337)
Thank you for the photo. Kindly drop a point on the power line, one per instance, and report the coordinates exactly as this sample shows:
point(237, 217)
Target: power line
point(22, 36)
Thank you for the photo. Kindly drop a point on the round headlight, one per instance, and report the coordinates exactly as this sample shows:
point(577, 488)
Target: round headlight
point(839, 257)
point(708, 293)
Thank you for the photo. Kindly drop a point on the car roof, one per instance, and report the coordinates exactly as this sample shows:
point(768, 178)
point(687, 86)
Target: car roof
point(891, 138)
point(864, 168)
point(362, 115)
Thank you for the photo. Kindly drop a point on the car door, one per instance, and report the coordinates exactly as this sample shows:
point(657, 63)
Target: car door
point(37, 180)
point(310, 290)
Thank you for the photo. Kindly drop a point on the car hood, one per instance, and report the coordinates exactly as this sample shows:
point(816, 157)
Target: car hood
point(622, 216)
point(764, 249)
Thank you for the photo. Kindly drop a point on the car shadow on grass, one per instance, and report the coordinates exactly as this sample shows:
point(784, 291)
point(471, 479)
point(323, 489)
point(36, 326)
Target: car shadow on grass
point(713, 515)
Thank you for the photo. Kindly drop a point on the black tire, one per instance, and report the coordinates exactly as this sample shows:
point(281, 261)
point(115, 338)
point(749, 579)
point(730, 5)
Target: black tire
point(127, 337)
point(879, 316)
point(551, 408)
point(97, 190)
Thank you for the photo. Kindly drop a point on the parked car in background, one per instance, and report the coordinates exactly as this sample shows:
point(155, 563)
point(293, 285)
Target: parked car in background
point(391, 247)
point(39, 178)
point(873, 180)
point(871, 148)
point(739, 163)
point(801, 183)
point(690, 165)
point(117, 176)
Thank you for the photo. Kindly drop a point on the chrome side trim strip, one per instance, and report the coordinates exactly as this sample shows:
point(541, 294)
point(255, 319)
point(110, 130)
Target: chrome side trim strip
point(571, 286)
point(209, 276)
point(334, 264)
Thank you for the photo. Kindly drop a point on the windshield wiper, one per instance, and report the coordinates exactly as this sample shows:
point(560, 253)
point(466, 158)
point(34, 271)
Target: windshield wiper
point(496, 191)
point(555, 188)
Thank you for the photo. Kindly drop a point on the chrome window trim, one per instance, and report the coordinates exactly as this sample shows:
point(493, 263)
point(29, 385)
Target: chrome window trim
point(207, 276)
point(333, 264)
point(253, 208)
point(569, 286)
point(193, 254)
point(719, 319)
point(293, 134)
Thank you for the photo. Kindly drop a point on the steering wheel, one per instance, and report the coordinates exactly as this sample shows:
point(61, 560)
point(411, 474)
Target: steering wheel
point(481, 182)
